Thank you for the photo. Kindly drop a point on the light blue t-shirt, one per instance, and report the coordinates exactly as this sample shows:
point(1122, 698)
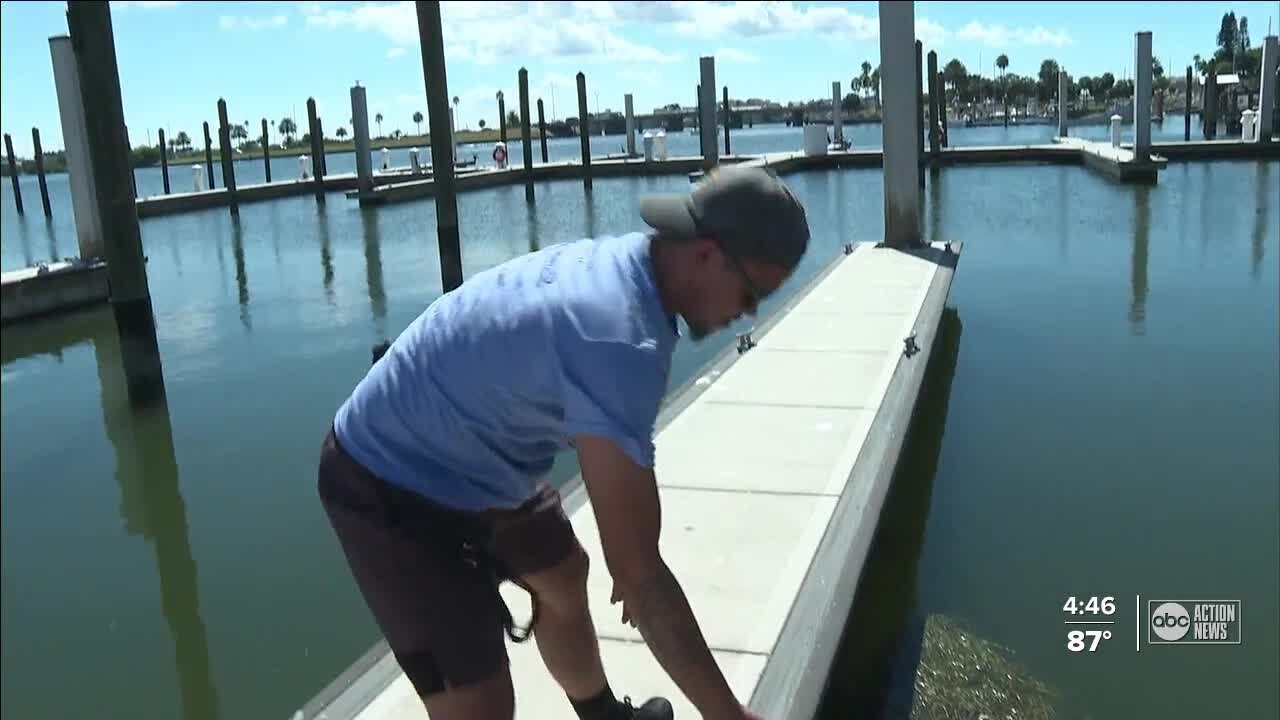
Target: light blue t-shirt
point(474, 399)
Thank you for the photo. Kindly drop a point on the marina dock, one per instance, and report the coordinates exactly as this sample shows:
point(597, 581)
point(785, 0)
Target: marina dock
point(773, 464)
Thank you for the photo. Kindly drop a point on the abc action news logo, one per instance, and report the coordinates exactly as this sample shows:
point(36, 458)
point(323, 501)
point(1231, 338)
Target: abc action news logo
point(1193, 622)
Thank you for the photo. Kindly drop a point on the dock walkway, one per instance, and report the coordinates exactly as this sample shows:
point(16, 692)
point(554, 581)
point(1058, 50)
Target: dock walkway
point(773, 465)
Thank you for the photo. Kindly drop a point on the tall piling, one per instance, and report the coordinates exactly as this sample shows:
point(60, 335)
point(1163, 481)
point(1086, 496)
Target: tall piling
point(934, 105)
point(502, 118)
point(14, 171)
point(360, 129)
point(726, 119)
point(266, 150)
point(94, 43)
point(75, 140)
point(1209, 111)
point(1267, 97)
point(1064, 101)
point(317, 149)
point(208, 155)
point(44, 187)
point(942, 108)
point(837, 117)
point(899, 104)
point(1142, 96)
point(322, 160)
point(526, 142)
point(227, 158)
point(707, 110)
point(542, 131)
point(435, 76)
point(917, 81)
point(164, 162)
point(584, 131)
point(1186, 115)
point(630, 115)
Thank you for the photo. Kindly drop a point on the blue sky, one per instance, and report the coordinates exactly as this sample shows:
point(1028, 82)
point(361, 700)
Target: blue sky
point(266, 58)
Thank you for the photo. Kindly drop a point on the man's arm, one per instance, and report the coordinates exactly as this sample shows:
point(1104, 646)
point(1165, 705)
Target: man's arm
point(624, 496)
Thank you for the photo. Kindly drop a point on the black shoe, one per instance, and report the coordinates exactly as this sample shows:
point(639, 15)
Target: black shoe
point(656, 708)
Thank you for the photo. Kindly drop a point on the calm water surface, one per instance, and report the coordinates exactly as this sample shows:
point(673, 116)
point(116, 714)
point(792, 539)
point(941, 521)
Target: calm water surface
point(1105, 425)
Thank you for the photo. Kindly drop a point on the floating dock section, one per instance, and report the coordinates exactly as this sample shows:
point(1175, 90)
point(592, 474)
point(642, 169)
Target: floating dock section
point(1117, 161)
point(55, 287)
point(773, 465)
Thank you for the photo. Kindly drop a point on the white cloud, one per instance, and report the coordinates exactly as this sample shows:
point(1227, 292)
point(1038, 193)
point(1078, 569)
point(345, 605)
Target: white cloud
point(395, 52)
point(1001, 37)
point(649, 78)
point(931, 34)
point(734, 55)
point(147, 4)
point(253, 24)
point(752, 19)
point(488, 32)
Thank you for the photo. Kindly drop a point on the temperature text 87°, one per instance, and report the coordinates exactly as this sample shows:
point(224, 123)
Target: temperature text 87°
point(1078, 640)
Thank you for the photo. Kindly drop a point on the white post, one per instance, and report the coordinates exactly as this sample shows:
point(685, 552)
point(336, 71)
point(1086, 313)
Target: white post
point(1265, 119)
point(1064, 104)
point(197, 178)
point(837, 119)
point(1247, 125)
point(1115, 130)
point(386, 159)
point(360, 128)
point(631, 125)
point(75, 138)
point(304, 167)
point(1142, 96)
point(898, 106)
point(414, 163)
point(707, 101)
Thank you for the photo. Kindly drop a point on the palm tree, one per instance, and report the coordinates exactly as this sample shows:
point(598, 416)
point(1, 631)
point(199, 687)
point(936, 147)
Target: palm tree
point(378, 119)
point(184, 140)
point(864, 80)
point(875, 84)
point(417, 120)
point(239, 132)
point(341, 133)
point(288, 128)
point(457, 119)
point(1002, 62)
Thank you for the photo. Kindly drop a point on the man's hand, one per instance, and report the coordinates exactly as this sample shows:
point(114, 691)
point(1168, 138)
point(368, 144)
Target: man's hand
point(624, 497)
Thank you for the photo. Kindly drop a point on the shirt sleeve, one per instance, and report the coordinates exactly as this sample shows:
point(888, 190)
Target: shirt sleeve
point(613, 389)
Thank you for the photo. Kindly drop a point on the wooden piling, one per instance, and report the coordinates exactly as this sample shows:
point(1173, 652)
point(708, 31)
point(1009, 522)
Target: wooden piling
point(228, 164)
point(14, 171)
point(322, 160)
point(208, 155)
point(44, 188)
point(502, 118)
point(726, 119)
point(317, 149)
point(266, 150)
point(934, 140)
point(918, 81)
point(92, 37)
point(942, 96)
point(584, 131)
point(1209, 113)
point(164, 162)
point(435, 76)
point(542, 131)
point(1186, 115)
point(527, 140)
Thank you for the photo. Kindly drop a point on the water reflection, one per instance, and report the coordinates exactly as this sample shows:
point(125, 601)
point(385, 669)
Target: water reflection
point(1063, 198)
point(531, 226)
point(1138, 271)
point(1260, 217)
point(880, 634)
point(242, 281)
point(373, 270)
point(27, 259)
point(935, 207)
point(151, 506)
point(326, 252)
point(589, 205)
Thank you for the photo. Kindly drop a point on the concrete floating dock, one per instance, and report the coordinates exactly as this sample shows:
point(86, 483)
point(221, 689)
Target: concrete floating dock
point(181, 202)
point(1119, 162)
point(44, 289)
point(773, 465)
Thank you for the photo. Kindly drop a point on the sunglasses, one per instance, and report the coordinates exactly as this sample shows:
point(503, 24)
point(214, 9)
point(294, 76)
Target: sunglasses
point(753, 295)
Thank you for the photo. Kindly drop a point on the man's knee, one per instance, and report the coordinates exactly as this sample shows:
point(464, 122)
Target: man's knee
point(563, 586)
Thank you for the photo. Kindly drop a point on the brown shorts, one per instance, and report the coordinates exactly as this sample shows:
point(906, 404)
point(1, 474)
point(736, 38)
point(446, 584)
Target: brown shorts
point(430, 574)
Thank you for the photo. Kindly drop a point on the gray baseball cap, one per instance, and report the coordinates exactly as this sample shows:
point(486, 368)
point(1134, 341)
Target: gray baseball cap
point(746, 209)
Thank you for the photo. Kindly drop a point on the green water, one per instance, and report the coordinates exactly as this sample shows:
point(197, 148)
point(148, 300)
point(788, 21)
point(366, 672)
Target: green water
point(1105, 424)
